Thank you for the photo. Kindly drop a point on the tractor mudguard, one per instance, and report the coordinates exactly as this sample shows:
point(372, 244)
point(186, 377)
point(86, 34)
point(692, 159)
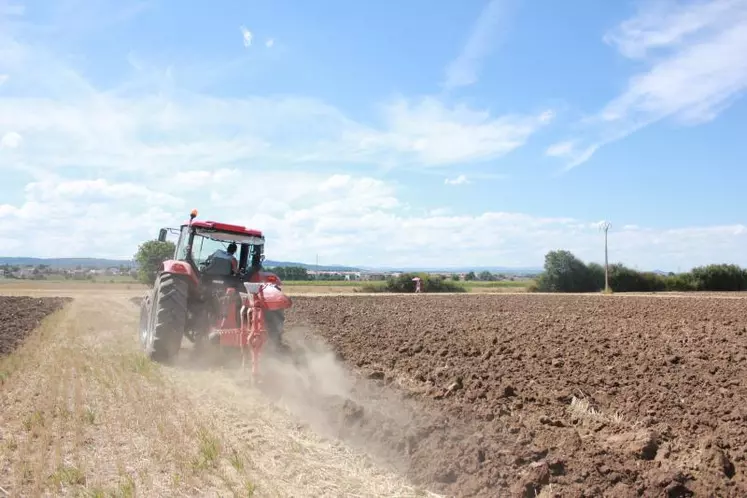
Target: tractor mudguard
point(179, 268)
point(275, 299)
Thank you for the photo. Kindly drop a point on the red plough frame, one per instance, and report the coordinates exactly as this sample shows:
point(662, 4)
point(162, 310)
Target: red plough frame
point(251, 331)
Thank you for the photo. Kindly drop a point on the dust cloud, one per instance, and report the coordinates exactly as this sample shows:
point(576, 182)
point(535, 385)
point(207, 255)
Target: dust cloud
point(315, 385)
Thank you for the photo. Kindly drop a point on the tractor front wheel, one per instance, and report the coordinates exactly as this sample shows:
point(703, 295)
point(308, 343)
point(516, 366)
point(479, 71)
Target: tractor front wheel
point(161, 335)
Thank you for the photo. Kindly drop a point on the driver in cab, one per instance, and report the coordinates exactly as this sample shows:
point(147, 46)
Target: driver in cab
point(227, 254)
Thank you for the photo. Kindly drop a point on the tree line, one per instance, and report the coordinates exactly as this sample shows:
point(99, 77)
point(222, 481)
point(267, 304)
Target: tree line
point(564, 272)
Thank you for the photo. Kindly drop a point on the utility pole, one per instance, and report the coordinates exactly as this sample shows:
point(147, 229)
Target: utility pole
point(605, 226)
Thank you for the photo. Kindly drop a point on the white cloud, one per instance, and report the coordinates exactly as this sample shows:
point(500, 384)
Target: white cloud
point(150, 122)
point(104, 130)
point(10, 140)
point(434, 134)
point(483, 37)
point(269, 43)
point(3, 78)
point(67, 217)
point(459, 180)
point(696, 69)
point(246, 35)
point(345, 219)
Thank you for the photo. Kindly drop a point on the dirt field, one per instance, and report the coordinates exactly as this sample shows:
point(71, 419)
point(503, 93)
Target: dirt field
point(512, 395)
point(19, 316)
point(554, 395)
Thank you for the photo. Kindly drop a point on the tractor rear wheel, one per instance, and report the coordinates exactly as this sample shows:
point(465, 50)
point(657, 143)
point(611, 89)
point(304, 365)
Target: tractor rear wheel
point(161, 337)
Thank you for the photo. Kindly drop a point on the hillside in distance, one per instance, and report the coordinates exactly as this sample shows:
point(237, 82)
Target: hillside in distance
point(66, 263)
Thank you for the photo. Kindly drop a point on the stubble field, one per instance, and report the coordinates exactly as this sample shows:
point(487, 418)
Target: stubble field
point(489, 395)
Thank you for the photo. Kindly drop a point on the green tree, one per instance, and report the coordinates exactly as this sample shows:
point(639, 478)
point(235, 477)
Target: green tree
point(624, 279)
point(470, 276)
point(719, 278)
point(149, 257)
point(564, 272)
point(485, 276)
point(680, 282)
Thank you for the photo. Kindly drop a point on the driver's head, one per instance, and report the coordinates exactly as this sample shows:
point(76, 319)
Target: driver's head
point(231, 248)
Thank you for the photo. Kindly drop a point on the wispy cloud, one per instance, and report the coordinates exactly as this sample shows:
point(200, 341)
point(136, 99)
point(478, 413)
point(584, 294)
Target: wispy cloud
point(154, 121)
point(696, 69)
point(484, 36)
point(560, 149)
point(345, 218)
point(459, 180)
point(270, 42)
point(246, 35)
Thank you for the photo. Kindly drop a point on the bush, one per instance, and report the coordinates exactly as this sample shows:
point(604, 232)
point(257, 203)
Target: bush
point(719, 278)
point(405, 284)
point(149, 256)
point(624, 279)
point(681, 282)
point(565, 273)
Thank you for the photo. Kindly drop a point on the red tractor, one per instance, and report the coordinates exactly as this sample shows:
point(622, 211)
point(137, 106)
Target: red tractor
point(210, 297)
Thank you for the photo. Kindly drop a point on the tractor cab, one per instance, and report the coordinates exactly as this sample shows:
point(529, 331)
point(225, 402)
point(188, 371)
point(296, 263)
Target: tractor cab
point(200, 241)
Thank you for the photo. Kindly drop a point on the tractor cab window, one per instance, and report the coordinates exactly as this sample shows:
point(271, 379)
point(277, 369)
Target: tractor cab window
point(255, 255)
point(181, 245)
point(204, 247)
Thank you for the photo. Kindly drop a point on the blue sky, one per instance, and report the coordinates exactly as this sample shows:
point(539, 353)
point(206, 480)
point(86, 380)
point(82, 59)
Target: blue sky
point(378, 133)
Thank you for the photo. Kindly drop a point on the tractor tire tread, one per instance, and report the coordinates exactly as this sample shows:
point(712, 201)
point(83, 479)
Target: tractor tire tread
point(171, 317)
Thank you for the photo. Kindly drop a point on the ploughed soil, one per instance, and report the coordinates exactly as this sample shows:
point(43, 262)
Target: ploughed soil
point(19, 316)
point(545, 395)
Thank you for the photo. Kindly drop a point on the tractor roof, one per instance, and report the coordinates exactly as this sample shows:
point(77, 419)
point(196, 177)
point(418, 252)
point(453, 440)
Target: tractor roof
point(226, 227)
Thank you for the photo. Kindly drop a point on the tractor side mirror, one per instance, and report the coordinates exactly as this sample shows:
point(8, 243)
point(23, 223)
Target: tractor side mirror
point(162, 235)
